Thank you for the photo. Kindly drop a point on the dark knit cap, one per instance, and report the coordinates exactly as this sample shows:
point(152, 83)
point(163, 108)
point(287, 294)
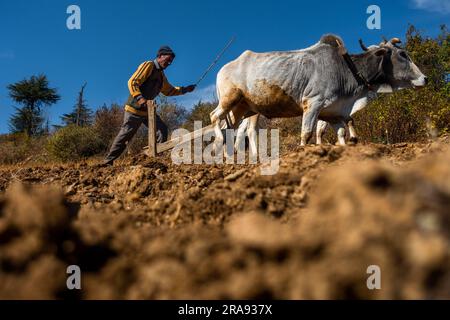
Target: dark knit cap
point(165, 50)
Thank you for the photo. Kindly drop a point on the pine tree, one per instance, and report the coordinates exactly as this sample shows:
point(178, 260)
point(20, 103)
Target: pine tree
point(32, 94)
point(28, 120)
point(81, 115)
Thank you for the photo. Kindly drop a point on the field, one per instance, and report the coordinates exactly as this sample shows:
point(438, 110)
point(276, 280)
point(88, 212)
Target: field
point(149, 229)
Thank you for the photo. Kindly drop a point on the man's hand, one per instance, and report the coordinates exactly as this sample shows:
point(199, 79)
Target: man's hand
point(142, 102)
point(189, 88)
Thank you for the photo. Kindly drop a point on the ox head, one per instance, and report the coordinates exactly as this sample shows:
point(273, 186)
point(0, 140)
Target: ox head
point(395, 66)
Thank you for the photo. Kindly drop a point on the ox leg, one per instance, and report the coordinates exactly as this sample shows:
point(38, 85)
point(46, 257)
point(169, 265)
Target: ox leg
point(240, 135)
point(252, 135)
point(218, 139)
point(226, 104)
point(248, 125)
point(339, 127)
point(236, 115)
point(321, 127)
point(352, 131)
point(309, 121)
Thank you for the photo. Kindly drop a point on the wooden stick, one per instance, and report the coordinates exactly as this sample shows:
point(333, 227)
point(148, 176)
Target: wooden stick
point(151, 107)
point(215, 61)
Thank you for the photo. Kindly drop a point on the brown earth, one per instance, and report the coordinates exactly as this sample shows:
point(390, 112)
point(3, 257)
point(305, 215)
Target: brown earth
point(149, 229)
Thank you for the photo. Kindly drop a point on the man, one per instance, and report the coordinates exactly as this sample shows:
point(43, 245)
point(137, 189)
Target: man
point(145, 85)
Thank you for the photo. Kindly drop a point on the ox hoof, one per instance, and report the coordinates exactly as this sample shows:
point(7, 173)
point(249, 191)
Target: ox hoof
point(353, 140)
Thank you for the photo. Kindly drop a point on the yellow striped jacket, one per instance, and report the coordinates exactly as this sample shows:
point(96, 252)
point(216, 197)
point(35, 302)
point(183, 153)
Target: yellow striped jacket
point(148, 81)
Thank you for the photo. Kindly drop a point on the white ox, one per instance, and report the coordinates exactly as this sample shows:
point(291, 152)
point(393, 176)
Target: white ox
point(314, 83)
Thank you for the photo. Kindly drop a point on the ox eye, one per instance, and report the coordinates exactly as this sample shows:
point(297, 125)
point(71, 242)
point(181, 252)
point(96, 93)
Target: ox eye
point(403, 55)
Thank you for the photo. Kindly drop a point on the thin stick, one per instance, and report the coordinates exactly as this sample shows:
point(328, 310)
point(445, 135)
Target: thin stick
point(215, 61)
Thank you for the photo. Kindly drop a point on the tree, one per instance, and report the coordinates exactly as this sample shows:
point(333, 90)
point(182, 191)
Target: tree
point(200, 112)
point(172, 114)
point(32, 94)
point(26, 120)
point(107, 121)
point(81, 115)
point(431, 55)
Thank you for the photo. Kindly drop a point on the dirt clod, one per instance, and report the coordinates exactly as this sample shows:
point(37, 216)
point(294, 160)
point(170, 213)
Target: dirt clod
point(149, 229)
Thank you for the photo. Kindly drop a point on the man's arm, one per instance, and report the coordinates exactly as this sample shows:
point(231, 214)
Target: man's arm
point(169, 90)
point(138, 78)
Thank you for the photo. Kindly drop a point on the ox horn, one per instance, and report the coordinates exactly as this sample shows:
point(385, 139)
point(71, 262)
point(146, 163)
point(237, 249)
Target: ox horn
point(384, 42)
point(362, 45)
point(395, 41)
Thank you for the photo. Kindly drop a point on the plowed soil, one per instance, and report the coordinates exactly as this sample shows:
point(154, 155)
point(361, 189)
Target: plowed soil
point(149, 229)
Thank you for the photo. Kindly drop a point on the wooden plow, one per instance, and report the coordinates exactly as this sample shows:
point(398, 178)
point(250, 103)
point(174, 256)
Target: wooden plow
point(155, 148)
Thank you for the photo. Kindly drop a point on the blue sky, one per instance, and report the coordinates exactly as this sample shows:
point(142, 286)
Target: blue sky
point(116, 36)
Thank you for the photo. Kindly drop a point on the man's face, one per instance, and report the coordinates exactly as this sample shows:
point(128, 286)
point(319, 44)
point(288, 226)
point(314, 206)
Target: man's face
point(165, 60)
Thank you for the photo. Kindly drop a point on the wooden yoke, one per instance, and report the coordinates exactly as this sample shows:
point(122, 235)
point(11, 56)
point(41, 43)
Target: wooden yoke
point(151, 108)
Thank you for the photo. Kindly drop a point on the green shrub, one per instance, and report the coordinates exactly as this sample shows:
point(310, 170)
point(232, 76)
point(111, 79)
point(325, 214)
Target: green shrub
point(408, 115)
point(19, 147)
point(74, 143)
point(287, 126)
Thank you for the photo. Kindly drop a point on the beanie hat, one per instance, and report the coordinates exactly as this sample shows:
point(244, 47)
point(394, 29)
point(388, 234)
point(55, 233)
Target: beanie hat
point(165, 50)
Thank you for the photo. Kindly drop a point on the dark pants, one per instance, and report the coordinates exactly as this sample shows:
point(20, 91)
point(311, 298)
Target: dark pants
point(130, 126)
